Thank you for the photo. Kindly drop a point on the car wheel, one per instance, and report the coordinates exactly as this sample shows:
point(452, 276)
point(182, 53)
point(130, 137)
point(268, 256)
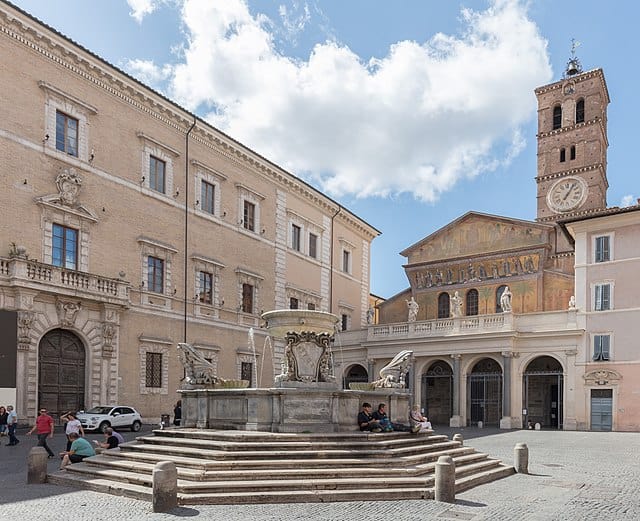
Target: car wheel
point(136, 426)
point(104, 426)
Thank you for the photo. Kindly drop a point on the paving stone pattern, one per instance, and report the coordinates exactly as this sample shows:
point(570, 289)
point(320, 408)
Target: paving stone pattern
point(573, 476)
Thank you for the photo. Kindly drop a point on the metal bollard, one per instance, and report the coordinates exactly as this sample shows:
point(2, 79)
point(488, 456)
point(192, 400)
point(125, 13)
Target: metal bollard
point(521, 458)
point(165, 486)
point(458, 437)
point(37, 466)
point(445, 480)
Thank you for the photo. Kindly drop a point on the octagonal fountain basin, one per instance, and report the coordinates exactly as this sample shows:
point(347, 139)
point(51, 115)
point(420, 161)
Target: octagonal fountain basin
point(282, 321)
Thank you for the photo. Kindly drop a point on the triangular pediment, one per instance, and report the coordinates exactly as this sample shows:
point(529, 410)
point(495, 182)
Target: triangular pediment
point(79, 210)
point(476, 233)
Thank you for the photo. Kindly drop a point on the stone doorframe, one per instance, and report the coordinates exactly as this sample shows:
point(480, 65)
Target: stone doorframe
point(96, 326)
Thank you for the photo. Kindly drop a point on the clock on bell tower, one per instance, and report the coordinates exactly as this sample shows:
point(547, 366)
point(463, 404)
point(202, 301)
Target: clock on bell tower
point(572, 144)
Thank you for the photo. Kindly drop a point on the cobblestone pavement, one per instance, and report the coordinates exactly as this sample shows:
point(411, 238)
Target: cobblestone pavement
point(573, 476)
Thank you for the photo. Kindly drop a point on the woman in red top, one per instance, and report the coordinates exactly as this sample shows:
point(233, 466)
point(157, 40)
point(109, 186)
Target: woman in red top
point(44, 428)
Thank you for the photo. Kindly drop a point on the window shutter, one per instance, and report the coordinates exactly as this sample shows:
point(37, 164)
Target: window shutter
point(597, 347)
point(604, 347)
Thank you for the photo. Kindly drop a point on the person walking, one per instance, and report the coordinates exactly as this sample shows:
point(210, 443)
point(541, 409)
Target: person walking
point(44, 428)
point(12, 424)
point(3, 421)
point(72, 426)
point(177, 413)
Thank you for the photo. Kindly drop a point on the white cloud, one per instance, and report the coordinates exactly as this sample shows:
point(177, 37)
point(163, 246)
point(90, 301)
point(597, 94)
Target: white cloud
point(416, 120)
point(628, 200)
point(294, 19)
point(149, 73)
point(141, 8)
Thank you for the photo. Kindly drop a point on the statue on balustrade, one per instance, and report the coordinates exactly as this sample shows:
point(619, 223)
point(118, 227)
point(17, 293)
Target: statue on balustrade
point(412, 307)
point(455, 305)
point(505, 300)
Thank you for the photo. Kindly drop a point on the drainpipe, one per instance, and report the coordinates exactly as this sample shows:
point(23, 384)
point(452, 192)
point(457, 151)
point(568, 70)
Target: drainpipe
point(331, 261)
point(186, 223)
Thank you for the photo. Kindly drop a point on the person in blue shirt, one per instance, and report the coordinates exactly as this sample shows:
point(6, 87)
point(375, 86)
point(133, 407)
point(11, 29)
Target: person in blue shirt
point(80, 449)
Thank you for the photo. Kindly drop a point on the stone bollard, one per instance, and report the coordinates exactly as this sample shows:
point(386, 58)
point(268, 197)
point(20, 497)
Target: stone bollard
point(165, 486)
point(37, 466)
point(537, 426)
point(521, 458)
point(458, 437)
point(445, 480)
point(480, 425)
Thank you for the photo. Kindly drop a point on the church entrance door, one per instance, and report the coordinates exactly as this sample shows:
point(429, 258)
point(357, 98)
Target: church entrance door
point(485, 393)
point(543, 390)
point(437, 392)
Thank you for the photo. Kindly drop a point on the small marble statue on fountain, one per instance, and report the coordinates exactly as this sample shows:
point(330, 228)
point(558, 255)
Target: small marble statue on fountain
point(413, 308)
point(505, 300)
point(572, 302)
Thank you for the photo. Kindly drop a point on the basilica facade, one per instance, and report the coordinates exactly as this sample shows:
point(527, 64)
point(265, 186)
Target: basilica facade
point(511, 322)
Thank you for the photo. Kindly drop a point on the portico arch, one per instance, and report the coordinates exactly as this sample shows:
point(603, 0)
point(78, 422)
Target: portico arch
point(484, 393)
point(356, 374)
point(61, 372)
point(542, 392)
point(437, 392)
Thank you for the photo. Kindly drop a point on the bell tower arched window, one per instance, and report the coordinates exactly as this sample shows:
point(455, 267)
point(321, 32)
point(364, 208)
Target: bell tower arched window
point(557, 117)
point(443, 305)
point(580, 111)
point(563, 155)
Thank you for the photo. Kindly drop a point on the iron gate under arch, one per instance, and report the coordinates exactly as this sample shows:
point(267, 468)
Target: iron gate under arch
point(485, 393)
point(437, 393)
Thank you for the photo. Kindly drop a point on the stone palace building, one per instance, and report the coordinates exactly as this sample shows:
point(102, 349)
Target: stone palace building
point(514, 322)
point(129, 225)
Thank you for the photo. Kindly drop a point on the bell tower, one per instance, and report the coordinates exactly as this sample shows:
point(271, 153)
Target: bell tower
point(572, 144)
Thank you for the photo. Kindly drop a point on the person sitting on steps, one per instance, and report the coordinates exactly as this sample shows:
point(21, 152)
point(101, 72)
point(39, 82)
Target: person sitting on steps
point(386, 424)
point(418, 422)
point(366, 421)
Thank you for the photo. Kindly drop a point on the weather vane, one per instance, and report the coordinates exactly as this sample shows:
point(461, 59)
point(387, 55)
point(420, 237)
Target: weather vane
point(574, 45)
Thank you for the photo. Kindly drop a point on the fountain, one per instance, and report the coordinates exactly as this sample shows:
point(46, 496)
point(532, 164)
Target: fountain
point(305, 396)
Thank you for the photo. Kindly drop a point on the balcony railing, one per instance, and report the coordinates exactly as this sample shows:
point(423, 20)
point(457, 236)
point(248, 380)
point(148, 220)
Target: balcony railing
point(442, 327)
point(22, 272)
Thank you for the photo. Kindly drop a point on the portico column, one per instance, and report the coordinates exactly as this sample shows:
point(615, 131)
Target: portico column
point(505, 421)
point(456, 419)
point(412, 379)
point(569, 420)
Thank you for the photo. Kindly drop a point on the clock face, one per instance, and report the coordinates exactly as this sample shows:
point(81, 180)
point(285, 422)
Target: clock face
point(567, 194)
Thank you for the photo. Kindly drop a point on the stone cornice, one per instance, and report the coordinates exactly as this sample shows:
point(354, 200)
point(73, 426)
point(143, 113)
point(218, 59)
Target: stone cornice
point(569, 215)
point(573, 171)
point(64, 52)
point(576, 79)
point(577, 126)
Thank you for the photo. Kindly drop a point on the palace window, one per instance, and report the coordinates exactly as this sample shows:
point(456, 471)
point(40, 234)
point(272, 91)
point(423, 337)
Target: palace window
point(601, 347)
point(313, 245)
point(155, 274)
point(293, 303)
point(472, 302)
point(66, 133)
point(64, 252)
point(296, 232)
point(206, 287)
point(344, 322)
point(157, 168)
point(580, 111)
point(602, 249)
point(346, 261)
point(153, 373)
point(249, 216)
point(443, 305)
point(247, 298)
point(557, 117)
point(207, 197)
point(311, 306)
point(246, 371)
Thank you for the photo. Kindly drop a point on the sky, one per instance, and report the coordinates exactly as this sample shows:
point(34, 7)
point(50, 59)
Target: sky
point(409, 114)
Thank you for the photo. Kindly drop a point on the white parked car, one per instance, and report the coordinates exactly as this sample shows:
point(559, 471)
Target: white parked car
point(116, 416)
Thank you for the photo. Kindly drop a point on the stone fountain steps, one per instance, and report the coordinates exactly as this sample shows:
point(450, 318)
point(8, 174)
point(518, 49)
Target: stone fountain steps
point(283, 468)
point(115, 462)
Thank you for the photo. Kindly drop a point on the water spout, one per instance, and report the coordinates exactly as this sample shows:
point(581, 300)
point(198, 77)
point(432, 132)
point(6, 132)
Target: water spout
point(252, 346)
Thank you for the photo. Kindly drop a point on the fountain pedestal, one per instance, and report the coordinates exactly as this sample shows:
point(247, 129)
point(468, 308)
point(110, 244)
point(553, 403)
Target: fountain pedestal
point(305, 398)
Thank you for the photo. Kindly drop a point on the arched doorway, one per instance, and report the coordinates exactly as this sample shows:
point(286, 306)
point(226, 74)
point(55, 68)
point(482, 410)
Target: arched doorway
point(61, 369)
point(484, 393)
point(437, 391)
point(543, 389)
point(355, 373)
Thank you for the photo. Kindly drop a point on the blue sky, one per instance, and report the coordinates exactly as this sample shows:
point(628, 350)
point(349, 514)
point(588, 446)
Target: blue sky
point(409, 113)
